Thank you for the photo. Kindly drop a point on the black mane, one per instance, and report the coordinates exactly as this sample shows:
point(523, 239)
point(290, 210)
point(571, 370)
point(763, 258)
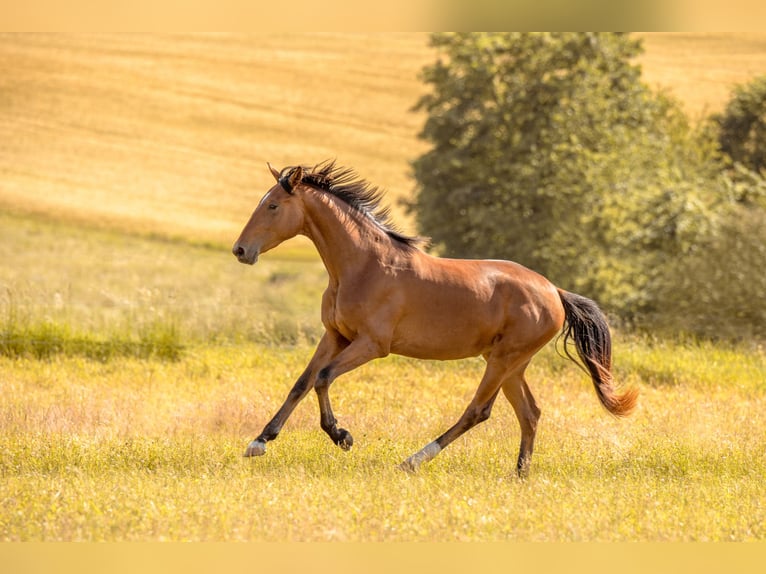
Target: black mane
point(360, 195)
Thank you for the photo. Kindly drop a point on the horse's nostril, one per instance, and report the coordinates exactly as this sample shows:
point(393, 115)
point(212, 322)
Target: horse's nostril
point(238, 250)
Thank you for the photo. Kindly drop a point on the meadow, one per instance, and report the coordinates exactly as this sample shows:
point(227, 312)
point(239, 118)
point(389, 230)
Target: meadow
point(147, 449)
point(138, 358)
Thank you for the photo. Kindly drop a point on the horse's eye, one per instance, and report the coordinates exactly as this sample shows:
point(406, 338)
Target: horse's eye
point(273, 206)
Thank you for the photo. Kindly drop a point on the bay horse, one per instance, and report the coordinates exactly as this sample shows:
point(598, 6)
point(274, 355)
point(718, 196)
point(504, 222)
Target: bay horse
point(386, 295)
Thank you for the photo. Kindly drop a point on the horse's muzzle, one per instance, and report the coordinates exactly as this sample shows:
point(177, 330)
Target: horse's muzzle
point(243, 256)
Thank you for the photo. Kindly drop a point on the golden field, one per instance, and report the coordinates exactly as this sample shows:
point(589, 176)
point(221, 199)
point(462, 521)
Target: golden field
point(170, 134)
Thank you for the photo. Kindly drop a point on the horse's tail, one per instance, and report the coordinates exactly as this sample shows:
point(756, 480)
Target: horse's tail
point(586, 325)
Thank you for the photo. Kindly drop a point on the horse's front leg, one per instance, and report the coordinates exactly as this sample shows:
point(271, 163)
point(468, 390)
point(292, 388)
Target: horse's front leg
point(359, 352)
point(329, 346)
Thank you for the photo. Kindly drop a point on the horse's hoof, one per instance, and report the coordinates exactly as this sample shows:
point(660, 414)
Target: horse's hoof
point(345, 440)
point(255, 448)
point(425, 454)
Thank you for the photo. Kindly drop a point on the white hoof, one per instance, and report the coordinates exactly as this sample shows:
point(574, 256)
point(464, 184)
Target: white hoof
point(424, 455)
point(256, 448)
point(409, 466)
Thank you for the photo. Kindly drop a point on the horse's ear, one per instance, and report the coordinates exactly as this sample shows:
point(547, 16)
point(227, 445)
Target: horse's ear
point(295, 177)
point(274, 172)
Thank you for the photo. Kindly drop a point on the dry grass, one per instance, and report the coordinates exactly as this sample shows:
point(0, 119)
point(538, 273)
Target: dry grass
point(135, 450)
point(701, 69)
point(171, 134)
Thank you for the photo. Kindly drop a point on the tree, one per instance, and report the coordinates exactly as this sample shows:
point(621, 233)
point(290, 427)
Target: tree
point(716, 291)
point(742, 125)
point(547, 149)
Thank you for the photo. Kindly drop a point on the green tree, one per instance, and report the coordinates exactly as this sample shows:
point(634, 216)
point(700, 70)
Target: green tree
point(547, 149)
point(715, 290)
point(742, 125)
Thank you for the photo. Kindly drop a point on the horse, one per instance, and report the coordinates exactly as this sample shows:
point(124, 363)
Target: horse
point(386, 294)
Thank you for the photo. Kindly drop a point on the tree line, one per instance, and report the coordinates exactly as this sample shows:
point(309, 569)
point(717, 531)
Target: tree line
point(548, 149)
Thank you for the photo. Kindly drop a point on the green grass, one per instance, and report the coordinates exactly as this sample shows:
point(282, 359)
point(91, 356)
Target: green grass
point(105, 289)
point(44, 340)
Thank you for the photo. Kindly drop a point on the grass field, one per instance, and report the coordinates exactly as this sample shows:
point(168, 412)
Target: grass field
point(138, 358)
point(146, 450)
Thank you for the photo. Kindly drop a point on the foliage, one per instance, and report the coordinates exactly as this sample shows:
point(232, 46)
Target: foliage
point(716, 291)
point(716, 287)
point(742, 125)
point(500, 119)
point(547, 149)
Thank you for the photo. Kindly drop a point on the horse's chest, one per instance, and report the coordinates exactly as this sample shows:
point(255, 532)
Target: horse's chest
point(342, 313)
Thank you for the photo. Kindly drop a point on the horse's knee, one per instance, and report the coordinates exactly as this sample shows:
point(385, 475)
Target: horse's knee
point(535, 410)
point(323, 379)
point(533, 418)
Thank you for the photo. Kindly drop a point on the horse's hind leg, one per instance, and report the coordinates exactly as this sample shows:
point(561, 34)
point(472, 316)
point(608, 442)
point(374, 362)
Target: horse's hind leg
point(517, 392)
point(478, 410)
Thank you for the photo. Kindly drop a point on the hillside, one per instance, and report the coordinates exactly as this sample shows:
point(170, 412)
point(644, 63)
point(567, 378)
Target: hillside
point(169, 135)
point(701, 69)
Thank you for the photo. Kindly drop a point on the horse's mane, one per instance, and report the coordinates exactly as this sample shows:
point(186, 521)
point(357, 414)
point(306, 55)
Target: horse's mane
point(357, 193)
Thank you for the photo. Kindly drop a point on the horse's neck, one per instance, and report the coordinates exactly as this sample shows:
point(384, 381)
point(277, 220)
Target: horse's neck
point(345, 242)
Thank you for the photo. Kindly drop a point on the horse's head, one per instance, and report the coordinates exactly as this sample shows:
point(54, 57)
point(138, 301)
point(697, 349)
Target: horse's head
point(279, 216)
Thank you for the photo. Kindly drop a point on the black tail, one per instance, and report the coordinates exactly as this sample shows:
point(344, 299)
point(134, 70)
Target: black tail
point(586, 325)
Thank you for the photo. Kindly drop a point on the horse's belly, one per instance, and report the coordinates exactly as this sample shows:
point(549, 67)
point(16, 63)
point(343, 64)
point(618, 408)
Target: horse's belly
point(428, 352)
point(444, 337)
